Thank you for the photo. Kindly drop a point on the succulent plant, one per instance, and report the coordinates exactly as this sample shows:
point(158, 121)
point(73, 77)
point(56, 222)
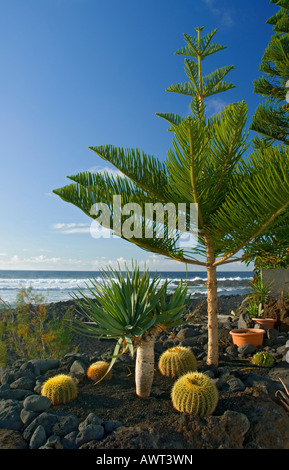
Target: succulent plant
point(60, 389)
point(177, 361)
point(195, 393)
point(97, 370)
point(263, 359)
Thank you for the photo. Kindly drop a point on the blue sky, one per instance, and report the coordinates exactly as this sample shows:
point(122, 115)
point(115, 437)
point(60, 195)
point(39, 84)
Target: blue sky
point(80, 73)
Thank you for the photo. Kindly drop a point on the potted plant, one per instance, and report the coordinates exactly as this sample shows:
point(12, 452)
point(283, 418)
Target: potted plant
point(258, 297)
point(252, 336)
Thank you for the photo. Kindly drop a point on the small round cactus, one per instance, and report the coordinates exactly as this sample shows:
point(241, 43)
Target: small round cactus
point(97, 370)
point(60, 389)
point(195, 393)
point(263, 359)
point(177, 361)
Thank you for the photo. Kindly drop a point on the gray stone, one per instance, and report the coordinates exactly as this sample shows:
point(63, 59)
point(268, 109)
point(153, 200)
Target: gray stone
point(246, 349)
point(236, 423)
point(4, 387)
point(68, 441)
point(90, 419)
point(210, 373)
point(236, 384)
point(188, 332)
point(272, 333)
point(66, 423)
point(244, 321)
point(53, 442)
point(27, 416)
point(10, 415)
point(223, 373)
point(202, 339)
point(78, 369)
point(31, 367)
point(110, 426)
point(39, 384)
point(7, 375)
point(15, 394)
point(25, 383)
point(38, 438)
point(92, 432)
point(36, 403)
point(45, 364)
point(189, 342)
point(280, 351)
point(232, 351)
point(279, 341)
point(45, 419)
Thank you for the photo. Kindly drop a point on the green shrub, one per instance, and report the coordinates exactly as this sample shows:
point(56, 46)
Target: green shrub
point(27, 331)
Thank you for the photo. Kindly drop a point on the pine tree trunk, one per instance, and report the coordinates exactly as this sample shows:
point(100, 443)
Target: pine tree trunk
point(213, 340)
point(145, 362)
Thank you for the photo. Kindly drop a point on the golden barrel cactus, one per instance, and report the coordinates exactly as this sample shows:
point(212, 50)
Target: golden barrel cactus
point(177, 361)
point(60, 389)
point(195, 393)
point(97, 370)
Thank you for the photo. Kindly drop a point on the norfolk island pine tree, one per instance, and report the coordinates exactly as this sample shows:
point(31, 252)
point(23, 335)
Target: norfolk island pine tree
point(239, 197)
point(270, 122)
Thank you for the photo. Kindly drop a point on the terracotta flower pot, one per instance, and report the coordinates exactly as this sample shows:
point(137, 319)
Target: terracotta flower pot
point(265, 323)
point(247, 336)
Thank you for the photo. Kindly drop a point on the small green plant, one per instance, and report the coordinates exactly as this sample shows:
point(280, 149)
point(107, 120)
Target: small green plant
point(263, 359)
point(254, 310)
point(177, 361)
point(98, 370)
point(257, 297)
point(259, 291)
point(195, 393)
point(28, 331)
point(60, 389)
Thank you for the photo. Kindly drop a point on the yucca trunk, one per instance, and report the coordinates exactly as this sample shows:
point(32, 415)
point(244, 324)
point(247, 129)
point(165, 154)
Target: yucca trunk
point(212, 300)
point(145, 362)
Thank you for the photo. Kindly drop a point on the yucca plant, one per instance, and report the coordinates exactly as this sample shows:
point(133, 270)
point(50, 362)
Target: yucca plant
point(239, 198)
point(133, 308)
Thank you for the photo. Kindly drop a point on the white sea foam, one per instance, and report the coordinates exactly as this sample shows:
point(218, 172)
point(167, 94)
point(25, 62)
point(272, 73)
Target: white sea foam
point(59, 286)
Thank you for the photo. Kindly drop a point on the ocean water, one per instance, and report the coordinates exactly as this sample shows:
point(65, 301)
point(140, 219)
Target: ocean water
point(56, 286)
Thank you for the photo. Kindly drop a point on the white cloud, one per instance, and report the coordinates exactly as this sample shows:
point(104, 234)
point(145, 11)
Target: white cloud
point(71, 228)
point(111, 171)
point(215, 106)
point(225, 15)
point(94, 229)
point(43, 262)
point(17, 261)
